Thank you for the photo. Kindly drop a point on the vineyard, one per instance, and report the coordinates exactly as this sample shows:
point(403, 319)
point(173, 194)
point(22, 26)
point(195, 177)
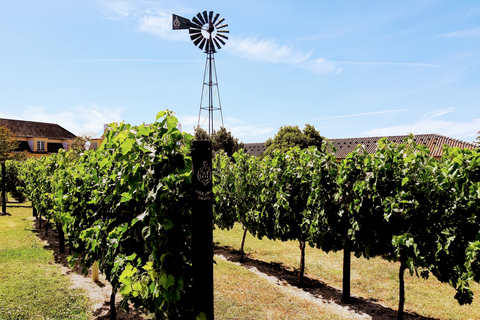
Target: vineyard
point(128, 206)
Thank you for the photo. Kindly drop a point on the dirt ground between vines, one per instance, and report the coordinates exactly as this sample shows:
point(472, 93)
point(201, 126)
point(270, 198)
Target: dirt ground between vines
point(314, 289)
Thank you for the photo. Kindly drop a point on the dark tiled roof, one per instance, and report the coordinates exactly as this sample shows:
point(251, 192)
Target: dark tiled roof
point(27, 129)
point(255, 149)
point(434, 142)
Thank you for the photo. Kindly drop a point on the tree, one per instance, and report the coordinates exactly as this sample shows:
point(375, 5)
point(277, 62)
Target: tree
point(221, 140)
point(8, 143)
point(291, 136)
point(478, 138)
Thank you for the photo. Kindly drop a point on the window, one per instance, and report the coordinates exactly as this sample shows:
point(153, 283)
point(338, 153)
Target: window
point(40, 146)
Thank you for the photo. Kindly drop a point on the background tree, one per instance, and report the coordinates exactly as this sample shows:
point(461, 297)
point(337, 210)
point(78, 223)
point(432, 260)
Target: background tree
point(8, 143)
point(221, 140)
point(291, 136)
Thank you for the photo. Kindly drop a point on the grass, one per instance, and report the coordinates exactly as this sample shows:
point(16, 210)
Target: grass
point(242, 294)
point(31, 285)
point(374, 279)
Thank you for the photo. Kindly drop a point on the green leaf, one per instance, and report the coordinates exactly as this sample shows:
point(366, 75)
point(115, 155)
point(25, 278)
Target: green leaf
point(126, 197)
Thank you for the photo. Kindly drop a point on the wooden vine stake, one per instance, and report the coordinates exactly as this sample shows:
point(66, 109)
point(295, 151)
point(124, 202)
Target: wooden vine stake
point(95, 272)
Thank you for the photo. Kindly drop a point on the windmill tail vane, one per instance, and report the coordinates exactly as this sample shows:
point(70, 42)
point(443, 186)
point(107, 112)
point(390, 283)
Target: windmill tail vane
point(207, 31)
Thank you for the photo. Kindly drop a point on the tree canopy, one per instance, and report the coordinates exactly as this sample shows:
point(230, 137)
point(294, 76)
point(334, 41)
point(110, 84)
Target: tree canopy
point(221, 140)
point(8, 143)
point(289, 137)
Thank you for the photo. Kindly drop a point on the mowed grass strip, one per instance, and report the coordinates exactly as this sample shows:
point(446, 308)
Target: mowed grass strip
point(374, 279)
point(243, 294)
point(31, 285)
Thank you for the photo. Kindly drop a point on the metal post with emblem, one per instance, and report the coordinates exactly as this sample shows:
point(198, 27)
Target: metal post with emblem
point(202, 231)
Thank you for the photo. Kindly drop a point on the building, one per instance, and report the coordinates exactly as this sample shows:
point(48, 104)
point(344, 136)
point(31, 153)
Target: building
point(434, 142)
point(39, 138)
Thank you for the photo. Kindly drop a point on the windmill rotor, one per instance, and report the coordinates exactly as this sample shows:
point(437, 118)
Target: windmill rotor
point(206, 30)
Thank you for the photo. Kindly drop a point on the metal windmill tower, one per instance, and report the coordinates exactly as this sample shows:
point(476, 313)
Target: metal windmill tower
point(207, 32)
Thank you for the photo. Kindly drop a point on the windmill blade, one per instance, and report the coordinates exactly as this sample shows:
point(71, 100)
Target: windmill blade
point(194, 30)
point(216, 42)
point(199, 16)
point(221, 41)
point(197, 41)
point(210, 46)
point(205, 16)
point(194, 37)
point(197, 22)
point(202, 43)
point(219, 21)
point(223, 36)
point(222, 26)
point(210, 16)
point(223, 31)
point(216, 17)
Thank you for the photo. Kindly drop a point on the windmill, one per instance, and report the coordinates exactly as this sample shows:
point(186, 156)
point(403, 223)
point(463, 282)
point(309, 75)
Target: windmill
point(207, 31)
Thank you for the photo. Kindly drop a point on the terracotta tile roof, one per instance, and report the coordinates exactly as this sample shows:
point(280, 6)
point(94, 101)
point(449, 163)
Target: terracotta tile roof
point(434, 142)
point(28, 129)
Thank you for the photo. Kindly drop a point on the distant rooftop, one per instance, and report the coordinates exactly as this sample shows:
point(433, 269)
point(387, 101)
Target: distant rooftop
point(28, 129)
point(434, 142)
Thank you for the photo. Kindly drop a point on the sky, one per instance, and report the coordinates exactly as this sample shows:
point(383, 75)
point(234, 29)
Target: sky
point(349, 68)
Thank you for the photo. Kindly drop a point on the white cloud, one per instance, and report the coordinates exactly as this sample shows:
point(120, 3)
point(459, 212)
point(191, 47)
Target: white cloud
point(432, 123)
point(265, 50)
point(269, 50)
point(79, 120)
point(467, 33)
point(160, 25)
point(150, 18)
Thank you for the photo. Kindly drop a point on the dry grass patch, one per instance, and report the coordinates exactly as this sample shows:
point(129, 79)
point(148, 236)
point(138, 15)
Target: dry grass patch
point(374, 279)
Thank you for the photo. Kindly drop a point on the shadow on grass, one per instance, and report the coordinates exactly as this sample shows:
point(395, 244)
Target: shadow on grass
point(315, 287)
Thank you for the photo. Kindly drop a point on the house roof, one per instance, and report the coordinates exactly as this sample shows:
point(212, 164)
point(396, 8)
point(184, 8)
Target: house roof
point(30, 129)
point(255, 149)
point(434, 142)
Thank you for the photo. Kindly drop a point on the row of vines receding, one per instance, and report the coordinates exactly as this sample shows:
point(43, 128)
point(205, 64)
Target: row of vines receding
point(127, 205)
point(398, 203)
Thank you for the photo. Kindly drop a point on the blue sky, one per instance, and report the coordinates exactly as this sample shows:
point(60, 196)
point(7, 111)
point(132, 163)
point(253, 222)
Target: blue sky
point(350, 68)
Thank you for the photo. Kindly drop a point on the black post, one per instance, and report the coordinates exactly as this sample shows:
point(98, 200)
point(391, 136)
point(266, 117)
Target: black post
point(347, 254)
point(202, 233)
point(4, 198)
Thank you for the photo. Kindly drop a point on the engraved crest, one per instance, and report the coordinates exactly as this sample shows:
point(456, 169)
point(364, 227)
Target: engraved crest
point(204, 175)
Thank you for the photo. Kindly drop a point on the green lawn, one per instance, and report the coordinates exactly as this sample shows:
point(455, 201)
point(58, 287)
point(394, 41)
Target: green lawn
point(375, 280)
point(31, 285)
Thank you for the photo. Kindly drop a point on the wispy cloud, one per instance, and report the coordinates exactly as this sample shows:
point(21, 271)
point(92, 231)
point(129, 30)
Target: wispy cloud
point(413, 64)
point(265, 50)
point(467, 33)
point(269, 50)
point(78, 120)
point(432, 122)
point(362, 114)
point(149, 18)
point(160, 25)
